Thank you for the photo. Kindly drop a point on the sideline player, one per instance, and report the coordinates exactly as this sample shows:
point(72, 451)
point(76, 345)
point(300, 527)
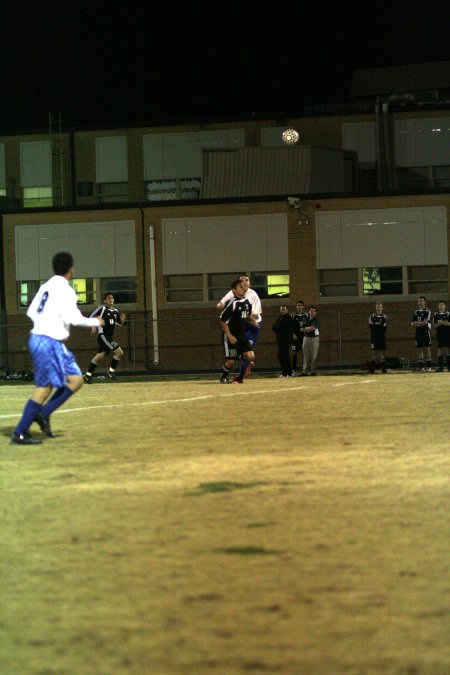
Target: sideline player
point(300, 316)
point(441, 321)
point(234, 319)
point(253, 328)
point(53, 310)
point(378, 328)
point(421, 320)
point(106, 344)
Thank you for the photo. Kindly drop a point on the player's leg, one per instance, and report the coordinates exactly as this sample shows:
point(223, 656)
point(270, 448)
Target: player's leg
point(117, 355)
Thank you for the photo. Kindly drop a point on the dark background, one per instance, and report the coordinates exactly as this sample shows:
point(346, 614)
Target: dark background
point(109, 63)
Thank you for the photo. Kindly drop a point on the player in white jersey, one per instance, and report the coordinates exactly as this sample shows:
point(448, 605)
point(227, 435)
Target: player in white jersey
point(52, 311)
point(253, 329)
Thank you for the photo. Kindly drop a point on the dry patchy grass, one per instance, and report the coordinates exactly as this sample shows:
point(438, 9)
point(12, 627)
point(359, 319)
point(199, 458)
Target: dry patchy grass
point(186, 528)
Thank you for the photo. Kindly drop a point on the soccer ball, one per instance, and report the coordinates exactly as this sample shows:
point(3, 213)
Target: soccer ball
point(290, 136)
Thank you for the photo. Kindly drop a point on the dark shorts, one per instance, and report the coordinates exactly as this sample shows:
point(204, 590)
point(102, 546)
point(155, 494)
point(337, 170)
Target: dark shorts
point(106, 344)
point(297, 343)
point(235, 351)
point(443, 337)
point(378, 343)
point(423, 337)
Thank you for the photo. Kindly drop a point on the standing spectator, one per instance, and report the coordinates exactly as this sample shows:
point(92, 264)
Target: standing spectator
point(441, 321)
point(299, 316)
point(53, 310)
point(112, 318)
point(234, 319)
point(284, 329)
point(253, 327)
point(421, 320)
point(311, 330)
point(378, 327)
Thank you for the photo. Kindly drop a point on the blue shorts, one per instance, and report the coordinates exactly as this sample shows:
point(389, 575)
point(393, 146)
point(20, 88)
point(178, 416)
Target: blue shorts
point(252, 333)
point(52, 361)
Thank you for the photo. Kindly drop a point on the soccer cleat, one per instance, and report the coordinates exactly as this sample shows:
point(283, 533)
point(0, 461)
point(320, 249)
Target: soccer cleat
point(248, 370)
point(87, 378)
point(44, 424)
point(224, 379)
point(111, 376)
point(24, 439)
point(439, 370)
point(237, 380)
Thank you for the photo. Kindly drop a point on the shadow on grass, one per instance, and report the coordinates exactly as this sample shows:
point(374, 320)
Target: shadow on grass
point(224, 486)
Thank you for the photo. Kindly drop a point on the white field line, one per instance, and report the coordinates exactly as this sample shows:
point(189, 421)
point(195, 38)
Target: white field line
point(236, 392)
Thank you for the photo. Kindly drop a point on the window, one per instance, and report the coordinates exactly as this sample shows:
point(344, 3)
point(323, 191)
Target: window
point(89, 291)
point(85, 290)
point(26, 290)
point(124, 289)
point(2, 192)
point(382, 280)
point(212, 287)
point(171, 189)
point(219, 284)
point(428, 279)
point(271, 284)
point(37, 196)
point(336, 283)
point(112, 192)
point(184, 288)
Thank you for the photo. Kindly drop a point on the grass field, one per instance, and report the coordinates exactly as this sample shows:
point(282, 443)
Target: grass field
point(180, 527)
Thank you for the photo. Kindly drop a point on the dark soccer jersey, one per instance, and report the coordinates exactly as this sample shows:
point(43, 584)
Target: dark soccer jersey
point(299, 321)
point(422, 315)
point(378, 325)
point(235, 314)
point(441, 316)
point(111, 316)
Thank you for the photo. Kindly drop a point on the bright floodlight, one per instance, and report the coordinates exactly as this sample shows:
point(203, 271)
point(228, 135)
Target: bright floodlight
point(290, 136)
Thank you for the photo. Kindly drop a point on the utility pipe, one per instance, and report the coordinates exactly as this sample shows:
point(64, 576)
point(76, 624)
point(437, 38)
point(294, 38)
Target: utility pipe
point(154, 296)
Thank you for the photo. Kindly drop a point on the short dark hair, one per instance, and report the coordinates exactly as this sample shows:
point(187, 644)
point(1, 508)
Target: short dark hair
point(235, 283)
point(313, 307)
point(62, 262)
point(299, 302)
point(421, 297)
point(106, 295)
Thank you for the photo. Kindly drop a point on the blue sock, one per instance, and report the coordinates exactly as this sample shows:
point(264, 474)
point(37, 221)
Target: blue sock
point(58, 398)
point(30, 411)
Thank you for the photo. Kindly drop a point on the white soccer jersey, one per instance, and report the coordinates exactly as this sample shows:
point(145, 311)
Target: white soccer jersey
point(253, 298)
point(54, 309)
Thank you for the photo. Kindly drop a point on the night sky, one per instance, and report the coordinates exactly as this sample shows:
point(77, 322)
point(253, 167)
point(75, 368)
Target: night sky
point(109, 63)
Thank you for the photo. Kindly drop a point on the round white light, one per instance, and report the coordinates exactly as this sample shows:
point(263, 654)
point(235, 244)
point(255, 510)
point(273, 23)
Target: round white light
point(290, 136)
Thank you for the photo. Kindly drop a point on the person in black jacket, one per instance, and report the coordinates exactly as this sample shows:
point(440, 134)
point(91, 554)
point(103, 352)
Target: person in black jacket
point(284, 328)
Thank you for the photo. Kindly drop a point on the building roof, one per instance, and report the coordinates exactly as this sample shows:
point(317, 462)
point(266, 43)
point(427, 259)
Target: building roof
point(401, 79)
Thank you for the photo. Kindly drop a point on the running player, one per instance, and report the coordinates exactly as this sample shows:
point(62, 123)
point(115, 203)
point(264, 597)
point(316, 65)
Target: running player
point(234, 319)
point(112, 318)
point(52, 311)
point(253, 328)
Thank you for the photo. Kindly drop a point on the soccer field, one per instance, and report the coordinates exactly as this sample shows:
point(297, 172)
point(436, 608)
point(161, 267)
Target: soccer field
point(180, 527)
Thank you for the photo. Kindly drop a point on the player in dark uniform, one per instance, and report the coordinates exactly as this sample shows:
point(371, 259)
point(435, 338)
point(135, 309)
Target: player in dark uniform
point(106, 345)
point(441, 322)
point(378, 327)
point(299, 317)
point(421, 320)
point(234, 319)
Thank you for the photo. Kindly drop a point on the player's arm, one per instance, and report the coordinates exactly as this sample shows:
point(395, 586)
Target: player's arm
point(231, 339)
point(121, 320)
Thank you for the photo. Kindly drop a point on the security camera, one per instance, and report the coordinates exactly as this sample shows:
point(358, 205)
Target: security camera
point(294, 202)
